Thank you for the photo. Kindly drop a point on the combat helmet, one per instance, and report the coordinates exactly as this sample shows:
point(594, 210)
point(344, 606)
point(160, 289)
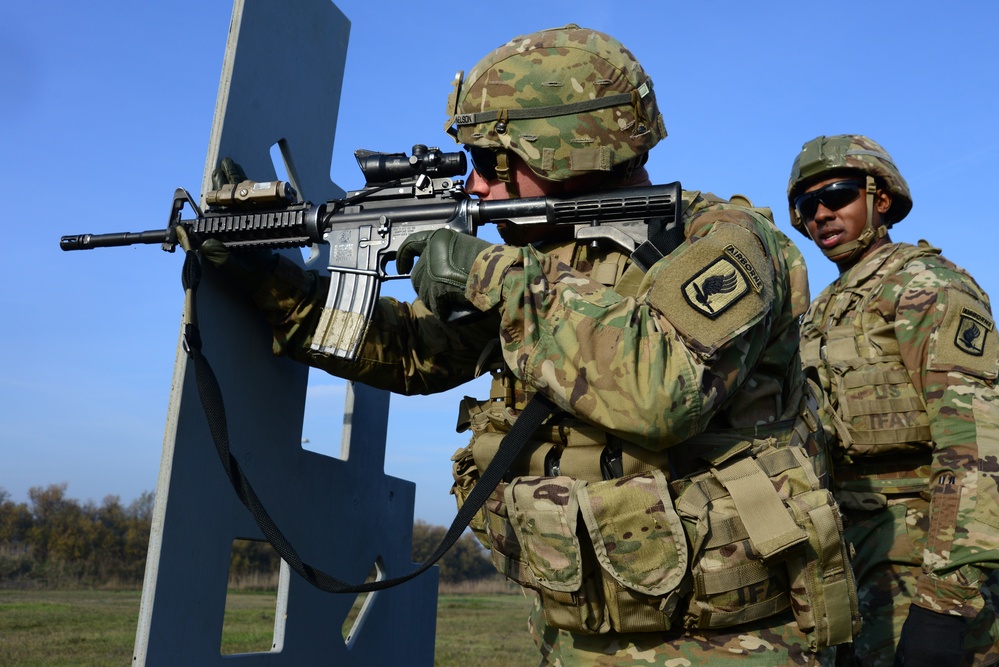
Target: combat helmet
point(850, 153)
point(566, 101)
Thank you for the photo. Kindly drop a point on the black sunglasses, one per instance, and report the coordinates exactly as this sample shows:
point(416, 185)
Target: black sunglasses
point(483, 161)
point(834, 197)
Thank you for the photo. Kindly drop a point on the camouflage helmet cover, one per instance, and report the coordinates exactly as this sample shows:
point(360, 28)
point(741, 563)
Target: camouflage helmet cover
point(847, 152)
point(566, 101)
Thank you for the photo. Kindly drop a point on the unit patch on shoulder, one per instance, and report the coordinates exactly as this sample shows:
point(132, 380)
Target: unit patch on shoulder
point(965, 340)
point(712, 290)
point(972, 331)
point(716, 287)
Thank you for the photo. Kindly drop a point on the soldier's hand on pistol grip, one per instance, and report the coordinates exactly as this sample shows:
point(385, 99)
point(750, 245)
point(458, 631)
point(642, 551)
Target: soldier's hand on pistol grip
point(441, 273)
point(931, 639)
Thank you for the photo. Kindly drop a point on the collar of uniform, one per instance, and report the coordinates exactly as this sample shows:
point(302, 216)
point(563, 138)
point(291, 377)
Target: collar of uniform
point(868, 266)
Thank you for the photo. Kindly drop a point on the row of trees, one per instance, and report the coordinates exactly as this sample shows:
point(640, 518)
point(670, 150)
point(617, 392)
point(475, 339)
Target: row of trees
point(57, 541)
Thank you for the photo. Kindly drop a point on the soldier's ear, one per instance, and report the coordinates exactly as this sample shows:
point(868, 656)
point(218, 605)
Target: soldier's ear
point(882, 201)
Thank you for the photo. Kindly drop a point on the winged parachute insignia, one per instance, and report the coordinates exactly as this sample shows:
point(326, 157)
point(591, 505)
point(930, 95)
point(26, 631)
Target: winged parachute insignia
point(971, 334)
point(715, 285)
point(972, 330)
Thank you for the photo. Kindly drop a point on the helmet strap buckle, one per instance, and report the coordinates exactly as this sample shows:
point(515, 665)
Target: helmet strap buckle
point(504, 172)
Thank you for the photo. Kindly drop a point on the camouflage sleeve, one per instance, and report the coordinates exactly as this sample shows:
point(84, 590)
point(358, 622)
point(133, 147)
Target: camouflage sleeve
point(652, 370)
point(946, 339)
point(406, 350)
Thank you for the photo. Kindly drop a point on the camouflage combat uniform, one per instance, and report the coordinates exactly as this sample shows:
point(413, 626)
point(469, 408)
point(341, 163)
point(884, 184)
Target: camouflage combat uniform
point(905, 347)
point(673, 511)
point(683, 374)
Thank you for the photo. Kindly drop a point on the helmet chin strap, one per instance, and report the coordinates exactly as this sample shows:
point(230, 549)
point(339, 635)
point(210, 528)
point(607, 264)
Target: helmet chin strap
point(853, 249)
point(504, 172)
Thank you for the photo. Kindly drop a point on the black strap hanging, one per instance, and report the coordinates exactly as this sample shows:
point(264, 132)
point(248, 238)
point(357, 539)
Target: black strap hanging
point(534, 414)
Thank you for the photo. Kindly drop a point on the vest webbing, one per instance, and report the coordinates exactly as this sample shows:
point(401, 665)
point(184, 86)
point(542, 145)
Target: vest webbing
point(849, 348)
point(758, 610)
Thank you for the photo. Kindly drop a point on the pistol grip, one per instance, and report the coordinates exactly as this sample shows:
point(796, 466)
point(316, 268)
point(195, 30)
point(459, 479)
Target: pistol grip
point(464, 315)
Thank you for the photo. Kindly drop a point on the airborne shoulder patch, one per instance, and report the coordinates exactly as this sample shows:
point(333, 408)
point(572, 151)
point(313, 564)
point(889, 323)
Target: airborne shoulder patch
point(972, 331)
point(966, 340)
point(716, 287)
point(713, 289)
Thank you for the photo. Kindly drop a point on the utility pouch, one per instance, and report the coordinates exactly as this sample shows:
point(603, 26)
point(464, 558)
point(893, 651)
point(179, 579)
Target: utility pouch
point(822, 585)
point(623, 568)
point(741, 531)
point(505, 551)
point(636, 533)
point(543, 513)
point(466, 475)
point(731, 583)
point(641, 547)
point(491, 524)
point(765, 537)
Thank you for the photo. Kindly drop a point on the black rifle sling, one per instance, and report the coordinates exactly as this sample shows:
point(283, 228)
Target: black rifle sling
point(665, 236)
point(534, 414)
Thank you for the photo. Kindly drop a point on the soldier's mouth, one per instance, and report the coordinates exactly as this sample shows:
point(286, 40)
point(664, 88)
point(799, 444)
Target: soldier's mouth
point(830, 239)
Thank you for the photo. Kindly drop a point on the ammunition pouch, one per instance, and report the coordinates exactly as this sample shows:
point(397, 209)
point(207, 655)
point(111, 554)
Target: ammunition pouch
point(765, 537)
point(604, 556)
point(742, 535)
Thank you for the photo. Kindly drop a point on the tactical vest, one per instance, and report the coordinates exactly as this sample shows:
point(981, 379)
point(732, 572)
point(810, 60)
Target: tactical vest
point(726, 528)
point(873, 405)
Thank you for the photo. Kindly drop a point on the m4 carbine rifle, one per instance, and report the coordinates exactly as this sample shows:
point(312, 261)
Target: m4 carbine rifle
point(402, 195)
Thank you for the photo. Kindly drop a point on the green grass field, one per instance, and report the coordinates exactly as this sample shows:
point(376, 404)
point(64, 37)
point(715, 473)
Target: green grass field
point(84, 628)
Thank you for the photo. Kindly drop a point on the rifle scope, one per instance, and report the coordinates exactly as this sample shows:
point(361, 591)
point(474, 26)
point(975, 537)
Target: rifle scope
point(379, 168)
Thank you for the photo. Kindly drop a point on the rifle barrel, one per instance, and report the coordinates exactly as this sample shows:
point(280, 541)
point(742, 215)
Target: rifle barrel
point(88, 241)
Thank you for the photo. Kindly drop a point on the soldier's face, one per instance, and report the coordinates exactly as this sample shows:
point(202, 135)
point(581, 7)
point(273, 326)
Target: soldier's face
point(528, 184)
point(840, 214)
point(833, 225)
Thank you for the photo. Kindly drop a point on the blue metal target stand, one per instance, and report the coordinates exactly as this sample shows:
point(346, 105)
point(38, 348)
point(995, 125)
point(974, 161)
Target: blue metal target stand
point(344, 515)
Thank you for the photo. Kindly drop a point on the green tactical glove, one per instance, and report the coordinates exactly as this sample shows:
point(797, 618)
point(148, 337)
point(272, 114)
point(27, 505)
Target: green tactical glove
point(439, 278)
point(247, 269)
point(930, 639)
point(227, 173)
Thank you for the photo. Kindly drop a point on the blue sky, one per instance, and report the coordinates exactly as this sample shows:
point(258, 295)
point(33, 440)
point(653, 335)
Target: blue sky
point(107, 108)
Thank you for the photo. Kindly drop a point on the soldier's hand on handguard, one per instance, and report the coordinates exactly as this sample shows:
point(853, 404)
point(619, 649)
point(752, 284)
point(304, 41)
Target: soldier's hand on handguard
point(930, 639)
point(440, 275)
point(247, 270)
